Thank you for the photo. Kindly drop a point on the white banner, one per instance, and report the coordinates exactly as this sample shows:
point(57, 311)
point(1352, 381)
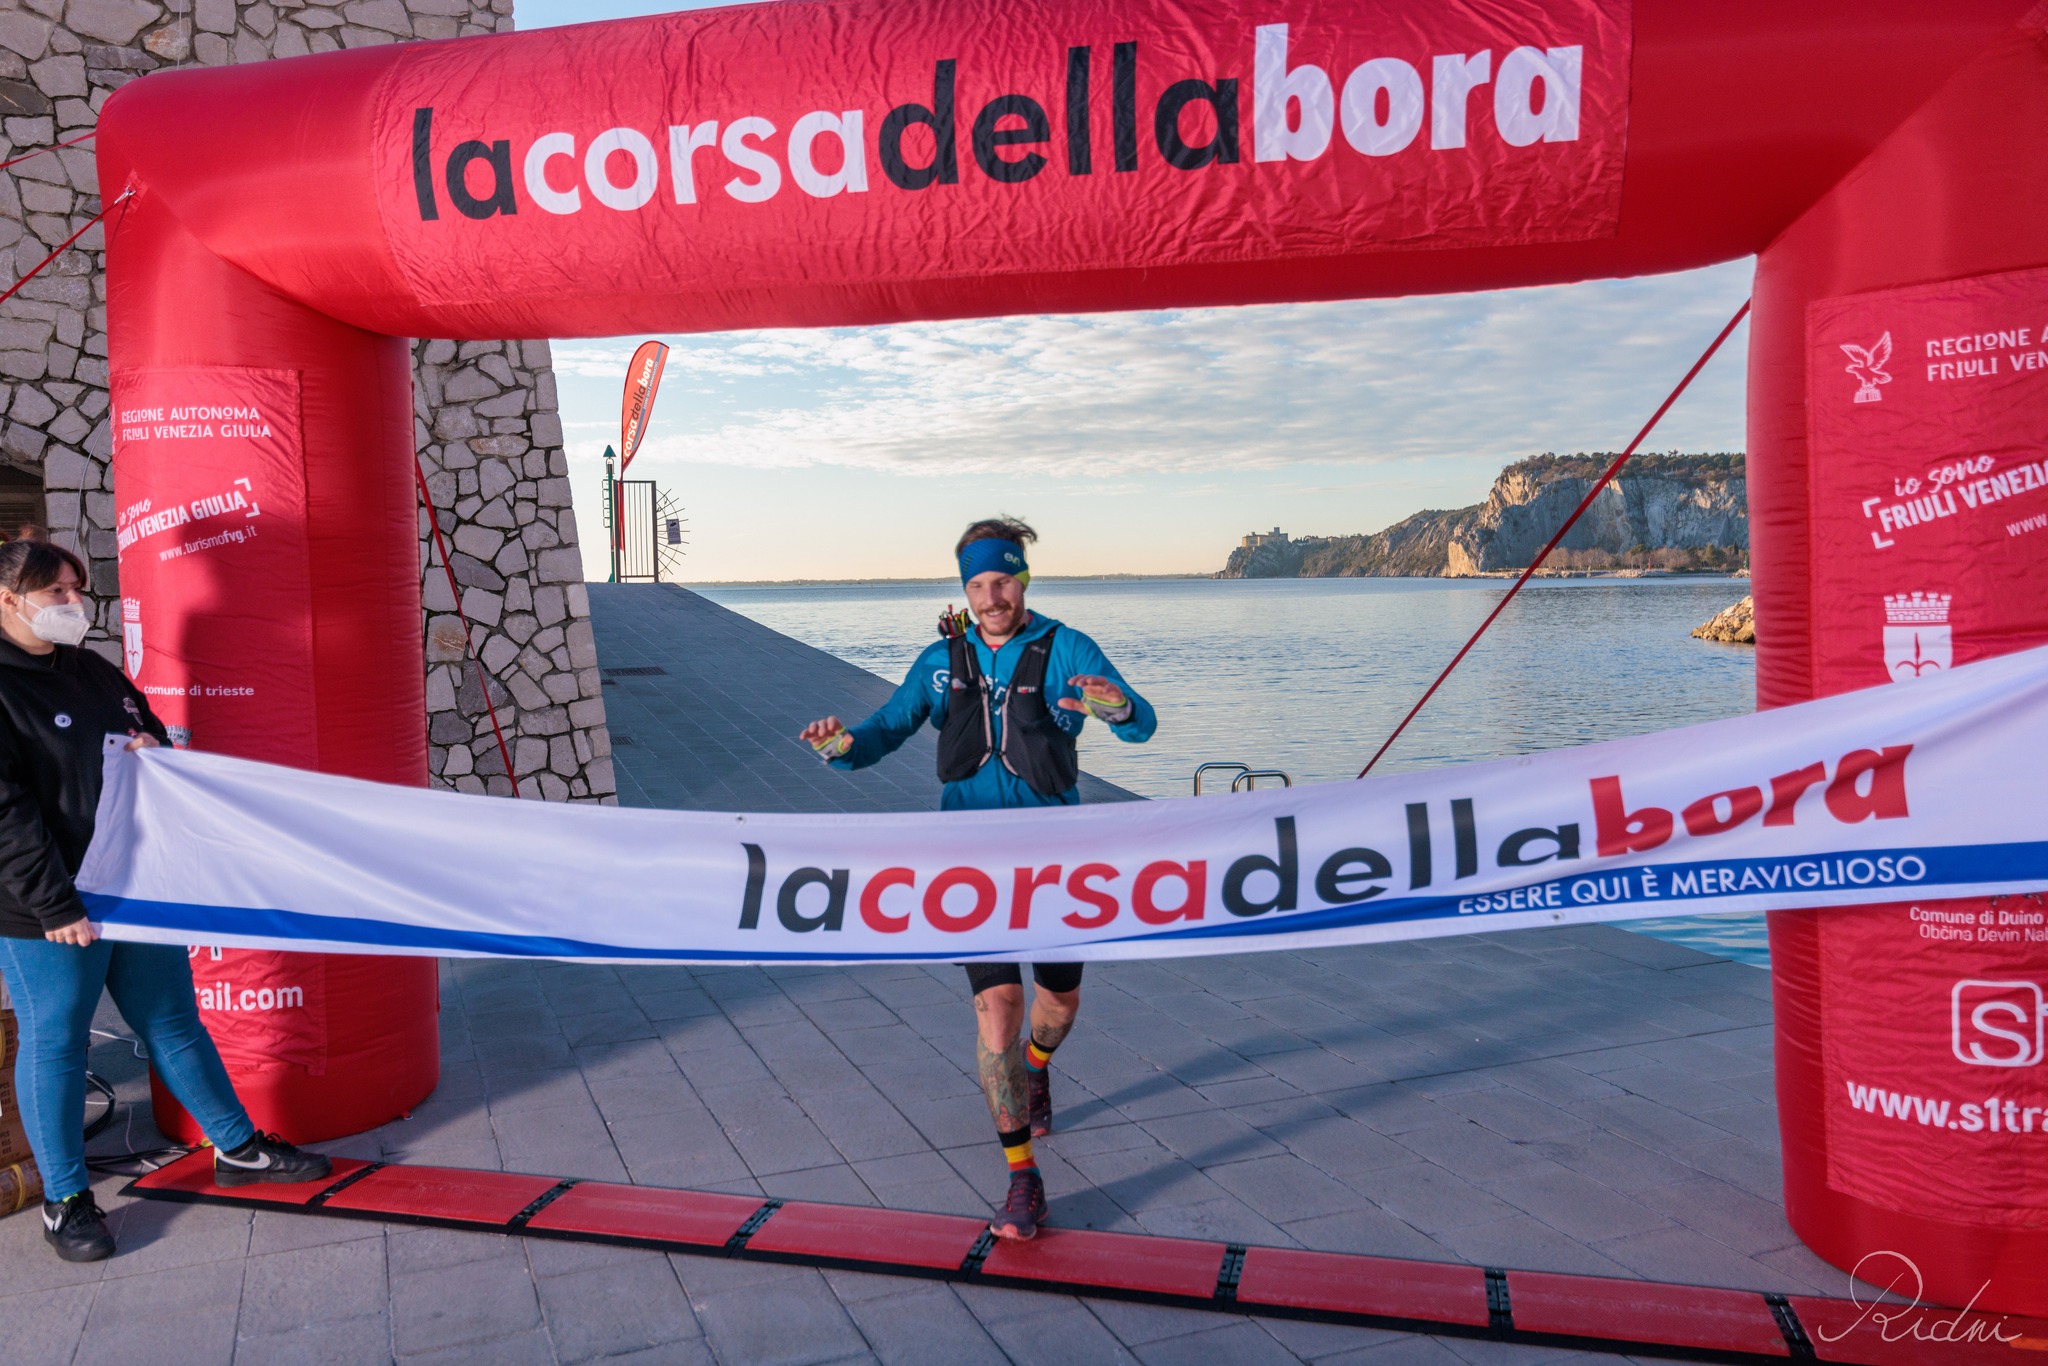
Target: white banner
point(1916, 791)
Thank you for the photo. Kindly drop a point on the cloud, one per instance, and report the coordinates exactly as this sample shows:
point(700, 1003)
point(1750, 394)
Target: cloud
point(1199, 391)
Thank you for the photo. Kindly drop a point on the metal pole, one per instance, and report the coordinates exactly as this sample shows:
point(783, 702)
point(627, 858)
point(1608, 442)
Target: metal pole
point(612, 525)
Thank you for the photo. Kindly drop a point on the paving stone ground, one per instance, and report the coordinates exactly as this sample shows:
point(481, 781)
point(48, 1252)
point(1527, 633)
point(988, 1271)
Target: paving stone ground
point(1578, 1099)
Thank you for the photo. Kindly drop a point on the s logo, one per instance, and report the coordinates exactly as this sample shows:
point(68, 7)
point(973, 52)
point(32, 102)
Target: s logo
point(941, 680)
point(1997, 1024)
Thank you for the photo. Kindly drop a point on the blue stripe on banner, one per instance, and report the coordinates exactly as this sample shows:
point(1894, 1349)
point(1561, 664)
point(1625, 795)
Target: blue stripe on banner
point(1950, 871)
point(237, 921)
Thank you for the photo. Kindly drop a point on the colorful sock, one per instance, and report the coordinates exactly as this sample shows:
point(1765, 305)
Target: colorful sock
point(1017, 1148)
point(1035, 1057)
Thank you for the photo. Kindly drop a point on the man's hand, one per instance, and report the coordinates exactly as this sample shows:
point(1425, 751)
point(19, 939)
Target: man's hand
point(1100, 698)
point(78, 934)
point(830, 739)
point(142, 741)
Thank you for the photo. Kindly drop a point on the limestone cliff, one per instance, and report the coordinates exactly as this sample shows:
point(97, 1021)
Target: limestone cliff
point(1662, 512)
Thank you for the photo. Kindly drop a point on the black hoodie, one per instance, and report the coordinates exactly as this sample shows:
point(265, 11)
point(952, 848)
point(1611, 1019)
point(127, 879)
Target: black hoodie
point(56, 711)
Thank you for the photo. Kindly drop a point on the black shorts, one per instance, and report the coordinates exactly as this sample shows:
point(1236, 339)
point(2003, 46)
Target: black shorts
point(1060, 977)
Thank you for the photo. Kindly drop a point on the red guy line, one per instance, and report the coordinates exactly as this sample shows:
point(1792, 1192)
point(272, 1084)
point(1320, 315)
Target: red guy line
point(483, 679)
point(15, 288)
point(1569, 522)
point(28, 156)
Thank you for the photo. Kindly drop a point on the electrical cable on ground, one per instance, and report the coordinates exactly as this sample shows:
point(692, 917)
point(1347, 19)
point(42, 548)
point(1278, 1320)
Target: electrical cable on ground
point(112, 1037)
point(468, 643)
point(122, 1163)
point(1569, 522)
point(98, 1123)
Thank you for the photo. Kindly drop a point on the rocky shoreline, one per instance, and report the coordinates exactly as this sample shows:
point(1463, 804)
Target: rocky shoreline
point(1733, 626)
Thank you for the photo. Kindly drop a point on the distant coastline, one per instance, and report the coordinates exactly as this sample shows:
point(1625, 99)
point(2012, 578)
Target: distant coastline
point(858, 583)
point(1544, 573)
point(1673, 513)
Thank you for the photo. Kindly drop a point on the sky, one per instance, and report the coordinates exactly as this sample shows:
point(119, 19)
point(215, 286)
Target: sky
point(1135, 443)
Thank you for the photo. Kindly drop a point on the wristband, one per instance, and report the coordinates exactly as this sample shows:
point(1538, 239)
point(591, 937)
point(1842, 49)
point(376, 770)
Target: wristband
point(1104, 710)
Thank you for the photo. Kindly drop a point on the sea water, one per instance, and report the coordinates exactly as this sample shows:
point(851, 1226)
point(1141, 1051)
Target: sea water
point(1307, 676)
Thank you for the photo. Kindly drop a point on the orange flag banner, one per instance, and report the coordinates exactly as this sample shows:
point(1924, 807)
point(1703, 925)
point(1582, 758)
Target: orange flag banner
point(643, 381)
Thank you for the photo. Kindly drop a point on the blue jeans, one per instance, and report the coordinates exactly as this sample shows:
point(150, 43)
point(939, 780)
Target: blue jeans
point(56, 988)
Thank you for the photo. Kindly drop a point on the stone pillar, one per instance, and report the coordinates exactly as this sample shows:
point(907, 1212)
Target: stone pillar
point(491, 442)
point(490, 438)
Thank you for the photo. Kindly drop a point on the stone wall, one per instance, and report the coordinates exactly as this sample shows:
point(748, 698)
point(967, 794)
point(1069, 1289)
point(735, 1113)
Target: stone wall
point(491, 443)
point(488, 431)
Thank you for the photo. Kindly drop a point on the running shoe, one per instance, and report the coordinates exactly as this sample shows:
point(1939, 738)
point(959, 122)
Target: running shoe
point(1024, 1211)
point(77, 1228)
point(266, 1157)
point(1039, 1085)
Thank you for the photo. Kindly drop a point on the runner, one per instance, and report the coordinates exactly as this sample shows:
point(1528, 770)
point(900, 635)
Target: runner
point(962, 685)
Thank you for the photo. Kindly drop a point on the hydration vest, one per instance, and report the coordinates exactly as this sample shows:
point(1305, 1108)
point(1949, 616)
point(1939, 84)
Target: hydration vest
point(1034, 747)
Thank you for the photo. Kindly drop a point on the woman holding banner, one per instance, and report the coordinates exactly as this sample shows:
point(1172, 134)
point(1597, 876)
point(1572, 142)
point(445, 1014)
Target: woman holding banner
point(60, 707)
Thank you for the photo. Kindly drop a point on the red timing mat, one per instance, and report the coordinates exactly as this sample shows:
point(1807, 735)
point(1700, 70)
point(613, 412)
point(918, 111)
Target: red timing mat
point(929, 1242)
point(1597, 1313)
point(1684, 1315)
point(1175, 1267)
point(1344, 1283)
point(593, 1209)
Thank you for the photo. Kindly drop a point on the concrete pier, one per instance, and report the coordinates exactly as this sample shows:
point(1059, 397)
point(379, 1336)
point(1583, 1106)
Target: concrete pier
point(705, 707)
point(1579, 1099)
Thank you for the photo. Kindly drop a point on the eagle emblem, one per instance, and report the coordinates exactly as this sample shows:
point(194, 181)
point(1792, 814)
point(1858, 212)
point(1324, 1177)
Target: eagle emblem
point(1867, 365)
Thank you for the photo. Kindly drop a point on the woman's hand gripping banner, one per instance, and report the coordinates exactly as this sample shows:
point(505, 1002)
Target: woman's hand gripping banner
point(1907, 792)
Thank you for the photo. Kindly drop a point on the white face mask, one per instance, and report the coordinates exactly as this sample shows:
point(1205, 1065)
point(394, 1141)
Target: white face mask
point(64, 623)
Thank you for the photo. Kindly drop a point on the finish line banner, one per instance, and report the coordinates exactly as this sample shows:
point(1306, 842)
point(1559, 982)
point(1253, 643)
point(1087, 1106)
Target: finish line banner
point(1914, 791)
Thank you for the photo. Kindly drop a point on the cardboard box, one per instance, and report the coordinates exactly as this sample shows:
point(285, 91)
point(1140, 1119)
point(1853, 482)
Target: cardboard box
point(13, 1141)
point(21, 1187)
point(14, 1152)
point(13, 1138)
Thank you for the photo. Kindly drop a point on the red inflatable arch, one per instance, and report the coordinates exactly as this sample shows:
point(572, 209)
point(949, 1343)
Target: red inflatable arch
point(291, 223)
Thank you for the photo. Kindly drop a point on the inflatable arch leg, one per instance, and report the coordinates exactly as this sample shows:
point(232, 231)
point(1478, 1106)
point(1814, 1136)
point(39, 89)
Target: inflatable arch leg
point(1909, 1037)
point(319, 1046)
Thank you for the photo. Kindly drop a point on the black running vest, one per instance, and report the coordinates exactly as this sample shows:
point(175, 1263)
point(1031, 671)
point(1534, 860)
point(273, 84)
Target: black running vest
point(1034, 747)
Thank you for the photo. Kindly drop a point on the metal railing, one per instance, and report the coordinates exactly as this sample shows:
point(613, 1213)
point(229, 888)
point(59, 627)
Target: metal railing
point(1204, 768)
point(1245, 778)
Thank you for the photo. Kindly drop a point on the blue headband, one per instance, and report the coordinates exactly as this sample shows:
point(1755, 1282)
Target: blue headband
point(1004, 557)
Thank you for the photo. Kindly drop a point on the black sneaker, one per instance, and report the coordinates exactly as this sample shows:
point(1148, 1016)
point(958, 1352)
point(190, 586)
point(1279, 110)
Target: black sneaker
point(77, 1229)
point(1038, 1086)
point(1024, 1210)
point(266, 1157)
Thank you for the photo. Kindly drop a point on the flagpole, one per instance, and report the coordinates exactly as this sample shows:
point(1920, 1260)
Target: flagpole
point(611, 510)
